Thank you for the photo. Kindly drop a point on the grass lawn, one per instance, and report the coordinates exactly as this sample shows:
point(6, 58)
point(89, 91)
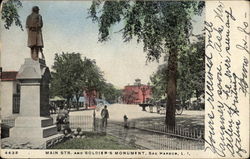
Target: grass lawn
point(93, 142)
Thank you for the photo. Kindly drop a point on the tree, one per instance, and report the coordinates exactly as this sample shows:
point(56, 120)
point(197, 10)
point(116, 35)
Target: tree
point(190, 75)
point(158, 80)
point(192, 70)
point(67, 76)
point(162, 26)
point(71, 76)
point(10, 13)
point(110, 93)
point(92, 78)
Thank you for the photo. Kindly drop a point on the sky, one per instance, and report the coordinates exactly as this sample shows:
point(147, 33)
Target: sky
point(67, 28)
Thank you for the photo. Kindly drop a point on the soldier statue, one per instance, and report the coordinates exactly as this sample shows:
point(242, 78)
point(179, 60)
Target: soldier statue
point(34, 24)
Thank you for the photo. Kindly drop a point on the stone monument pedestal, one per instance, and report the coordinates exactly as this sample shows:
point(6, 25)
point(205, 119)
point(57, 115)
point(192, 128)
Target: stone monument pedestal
point(34, 127)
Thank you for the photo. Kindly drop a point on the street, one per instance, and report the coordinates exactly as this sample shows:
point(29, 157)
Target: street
point(189, 118)
point(117, 111)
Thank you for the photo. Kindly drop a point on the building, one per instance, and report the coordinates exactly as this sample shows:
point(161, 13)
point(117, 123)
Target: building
point(90, 97)
point(137, 93)
point(10, 94)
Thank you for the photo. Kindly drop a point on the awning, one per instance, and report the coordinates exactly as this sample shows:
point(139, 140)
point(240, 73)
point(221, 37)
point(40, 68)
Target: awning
point(56, 98)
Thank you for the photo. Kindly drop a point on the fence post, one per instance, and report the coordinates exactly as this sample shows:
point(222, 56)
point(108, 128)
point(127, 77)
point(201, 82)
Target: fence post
point(94, 122)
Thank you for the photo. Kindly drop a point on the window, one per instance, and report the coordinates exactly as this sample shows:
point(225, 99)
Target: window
point(16, 103)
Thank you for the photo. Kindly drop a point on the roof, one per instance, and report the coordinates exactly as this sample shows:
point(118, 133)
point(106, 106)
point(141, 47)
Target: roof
point(8, 76)
point(56, 98)
point(142, 85)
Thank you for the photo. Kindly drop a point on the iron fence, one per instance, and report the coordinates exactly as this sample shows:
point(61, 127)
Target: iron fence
point(83, 122)
point(168, 142)
point(149, 137)
point(154, 137)
point(177, 131)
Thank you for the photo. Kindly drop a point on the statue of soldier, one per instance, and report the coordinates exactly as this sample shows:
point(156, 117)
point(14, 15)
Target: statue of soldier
point(34, 24)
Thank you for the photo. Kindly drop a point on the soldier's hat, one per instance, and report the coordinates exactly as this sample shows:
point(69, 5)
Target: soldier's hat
point(35, 8)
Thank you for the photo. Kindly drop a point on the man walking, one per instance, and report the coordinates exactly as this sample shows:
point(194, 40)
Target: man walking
point(105, 116)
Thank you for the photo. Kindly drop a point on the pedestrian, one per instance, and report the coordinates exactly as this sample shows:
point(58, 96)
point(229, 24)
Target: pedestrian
point(60, 118)
point(105, 116)
point(125, 119)
point(151, 108)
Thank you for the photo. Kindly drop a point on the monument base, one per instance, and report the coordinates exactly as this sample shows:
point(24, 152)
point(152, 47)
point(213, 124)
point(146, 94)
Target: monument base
point(34, 128)
point(32, 133)
point(31, 143)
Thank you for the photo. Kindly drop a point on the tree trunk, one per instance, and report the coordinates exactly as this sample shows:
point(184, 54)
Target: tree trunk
point(67, 103)
point(77, 102)
point(197, 94)
point(171, 88)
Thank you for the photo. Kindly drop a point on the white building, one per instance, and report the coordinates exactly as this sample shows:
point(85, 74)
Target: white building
point(10, 95)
